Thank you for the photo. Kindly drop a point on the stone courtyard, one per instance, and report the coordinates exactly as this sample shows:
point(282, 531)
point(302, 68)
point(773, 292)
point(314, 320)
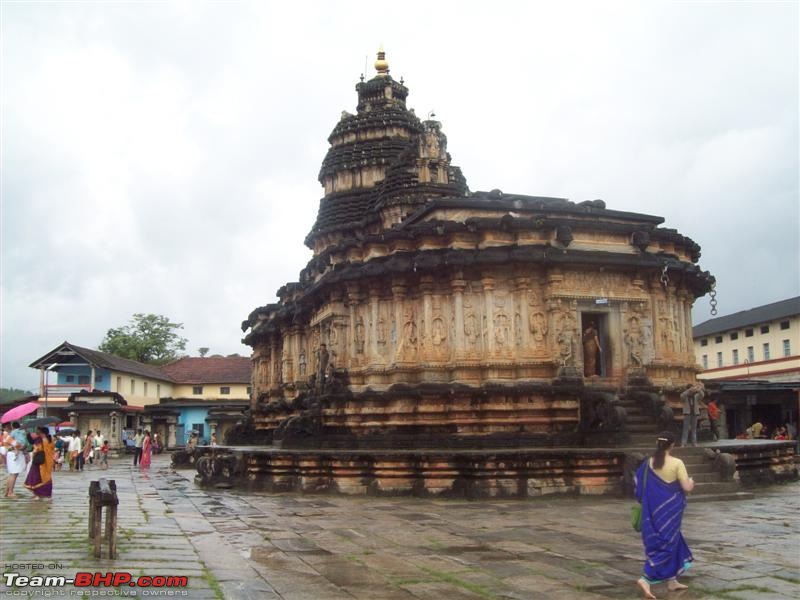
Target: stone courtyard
point(254, 545)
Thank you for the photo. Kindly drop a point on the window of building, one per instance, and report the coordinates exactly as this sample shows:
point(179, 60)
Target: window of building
point(735, 335)
point(748, 333)
point(765, 329)
point(719, 359)
point(249, 390)
point(705, 361)
point(197, 390)
point(98, 378)
point(718, 339)
point(70, 379)
point(784, 325)
point(145, 388)
point(704, 342)
point(84, 379)
point(766, 351)
point(787, 348)
point(751, 355)
point(735, 357)
point(119, 384)
point(224, 390)
point(158, 390)
point(133, 386)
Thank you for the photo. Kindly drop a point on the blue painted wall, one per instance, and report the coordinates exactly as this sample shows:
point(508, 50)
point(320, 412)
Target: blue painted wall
point(190, 418)
point(79, 374)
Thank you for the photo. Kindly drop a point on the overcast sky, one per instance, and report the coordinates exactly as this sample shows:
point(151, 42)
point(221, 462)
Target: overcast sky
point(162, 157)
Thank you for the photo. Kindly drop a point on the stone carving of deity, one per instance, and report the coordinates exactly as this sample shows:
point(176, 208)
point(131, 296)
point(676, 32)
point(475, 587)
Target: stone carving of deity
point(634, 340)
point(565, 340)
point(537, 323)
point(438, 333)
point(315, 337)
point(502, 330)
point(360, 336)
point(408, 336)
point(301, 364)
point(322, 365)
point(565, 352)
point(471, 328)
point(262, 372)
point(380, 331)
point(667, 339)
point(518, 329)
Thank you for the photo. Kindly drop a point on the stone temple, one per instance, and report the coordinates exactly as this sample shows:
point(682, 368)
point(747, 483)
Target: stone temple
point(444, 341)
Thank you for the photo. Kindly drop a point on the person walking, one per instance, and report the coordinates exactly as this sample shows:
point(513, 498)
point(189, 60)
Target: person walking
point(661, 487)
point(137, 446)
point(147, 446)
point(76, 450)
point(40, 476)
point(88, 448)
point(104, 454)
point(16, 461)
point(691, 398)
point(713, 418)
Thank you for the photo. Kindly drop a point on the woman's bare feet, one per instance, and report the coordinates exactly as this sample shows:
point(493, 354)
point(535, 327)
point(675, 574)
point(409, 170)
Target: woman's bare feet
point(674, 586)
point(645, 587)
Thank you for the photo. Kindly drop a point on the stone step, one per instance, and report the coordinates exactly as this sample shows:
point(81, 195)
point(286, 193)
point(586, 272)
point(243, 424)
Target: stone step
point(718, 487)
point(721, 497)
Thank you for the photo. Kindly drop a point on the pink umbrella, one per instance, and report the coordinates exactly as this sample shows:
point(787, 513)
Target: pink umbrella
point(19, 411)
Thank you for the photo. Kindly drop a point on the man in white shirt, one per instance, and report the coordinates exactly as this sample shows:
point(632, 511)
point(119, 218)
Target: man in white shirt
point(76, 452)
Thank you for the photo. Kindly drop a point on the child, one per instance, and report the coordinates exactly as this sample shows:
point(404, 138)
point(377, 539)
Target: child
point(59, 460)
point(104, 454)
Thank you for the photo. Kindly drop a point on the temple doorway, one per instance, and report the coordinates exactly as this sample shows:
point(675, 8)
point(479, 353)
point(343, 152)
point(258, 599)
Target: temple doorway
point(594, 344)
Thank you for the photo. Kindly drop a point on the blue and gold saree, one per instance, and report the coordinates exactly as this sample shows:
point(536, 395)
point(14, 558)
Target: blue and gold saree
point(667, 554)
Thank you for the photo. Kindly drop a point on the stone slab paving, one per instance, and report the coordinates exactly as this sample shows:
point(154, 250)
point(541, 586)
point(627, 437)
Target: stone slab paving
point(283, 546)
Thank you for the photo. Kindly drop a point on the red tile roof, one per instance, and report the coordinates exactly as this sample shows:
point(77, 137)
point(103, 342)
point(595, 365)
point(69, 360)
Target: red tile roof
point(210, 369)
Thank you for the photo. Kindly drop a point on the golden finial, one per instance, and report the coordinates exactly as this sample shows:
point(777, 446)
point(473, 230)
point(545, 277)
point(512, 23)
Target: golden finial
point(381, 65)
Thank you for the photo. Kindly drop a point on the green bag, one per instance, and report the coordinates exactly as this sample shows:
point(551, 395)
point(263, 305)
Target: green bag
point(636, 509)
point(636, 517)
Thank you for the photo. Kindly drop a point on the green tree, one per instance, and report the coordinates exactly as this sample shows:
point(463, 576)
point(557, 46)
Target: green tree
point(147, 338)
point(11, 394)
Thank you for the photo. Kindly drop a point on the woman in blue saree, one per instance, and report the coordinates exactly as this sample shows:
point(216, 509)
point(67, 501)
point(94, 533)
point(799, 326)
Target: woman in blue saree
point(662, 494)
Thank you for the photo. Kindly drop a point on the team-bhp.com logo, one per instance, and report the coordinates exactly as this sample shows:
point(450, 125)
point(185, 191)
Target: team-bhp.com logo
point(122, 579)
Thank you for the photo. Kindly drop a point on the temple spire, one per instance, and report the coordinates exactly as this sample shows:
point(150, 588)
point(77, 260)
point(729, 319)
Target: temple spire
point(381, 64)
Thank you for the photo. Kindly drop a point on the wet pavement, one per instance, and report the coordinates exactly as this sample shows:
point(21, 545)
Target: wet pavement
point(233, 544)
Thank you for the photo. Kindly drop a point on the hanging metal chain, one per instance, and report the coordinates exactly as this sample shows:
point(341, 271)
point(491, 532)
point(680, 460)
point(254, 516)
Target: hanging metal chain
point(664, 277)
point(713, 301)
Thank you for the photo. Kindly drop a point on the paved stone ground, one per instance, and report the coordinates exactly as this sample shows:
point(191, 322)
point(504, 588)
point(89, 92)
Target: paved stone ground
point(249, 545)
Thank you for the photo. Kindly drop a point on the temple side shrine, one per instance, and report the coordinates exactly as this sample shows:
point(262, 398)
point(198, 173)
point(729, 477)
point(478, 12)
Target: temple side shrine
point(444, 341)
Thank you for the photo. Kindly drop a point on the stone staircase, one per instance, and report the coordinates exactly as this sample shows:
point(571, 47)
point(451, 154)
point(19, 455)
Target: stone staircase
point(640, 424)
point(708, 482)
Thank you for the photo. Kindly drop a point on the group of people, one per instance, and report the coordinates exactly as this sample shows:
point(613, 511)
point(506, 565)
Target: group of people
point(39, 453)
point(76, 451)
point(32, 452)
point(760, 431)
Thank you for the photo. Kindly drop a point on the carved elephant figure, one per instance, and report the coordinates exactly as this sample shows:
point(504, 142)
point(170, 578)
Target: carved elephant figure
point(602, 411)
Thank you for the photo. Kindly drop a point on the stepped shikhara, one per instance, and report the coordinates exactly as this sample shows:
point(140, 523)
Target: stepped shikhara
point(431, 316)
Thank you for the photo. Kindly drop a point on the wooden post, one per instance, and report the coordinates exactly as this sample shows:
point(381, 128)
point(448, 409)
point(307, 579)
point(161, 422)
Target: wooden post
point(103, 493)
point(111, 523)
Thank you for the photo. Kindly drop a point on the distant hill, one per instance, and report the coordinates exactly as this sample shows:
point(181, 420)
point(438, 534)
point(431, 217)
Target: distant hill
point(10, 394)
